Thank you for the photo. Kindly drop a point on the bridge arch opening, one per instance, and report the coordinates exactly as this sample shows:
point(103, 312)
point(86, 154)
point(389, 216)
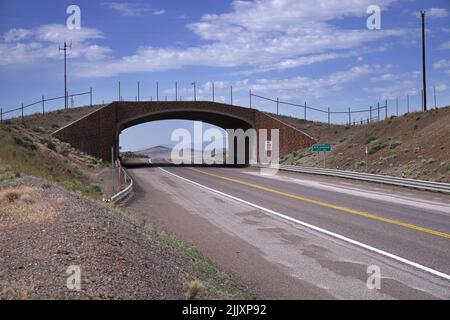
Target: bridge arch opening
point(151, 135)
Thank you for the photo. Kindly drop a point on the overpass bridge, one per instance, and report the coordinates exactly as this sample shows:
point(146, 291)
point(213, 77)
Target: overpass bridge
point(98, 132)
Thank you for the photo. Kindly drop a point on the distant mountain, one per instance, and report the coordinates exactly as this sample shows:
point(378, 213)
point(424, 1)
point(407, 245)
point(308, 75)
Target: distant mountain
point(156, 152)
point(164, 151)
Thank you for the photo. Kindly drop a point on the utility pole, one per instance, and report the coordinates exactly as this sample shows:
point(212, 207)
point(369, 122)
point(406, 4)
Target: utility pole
point(424, 80)
point(176, 91)
point(195, 91)
point(64, 48)
point(120, 98)
point(213, 91)
point(139, 94)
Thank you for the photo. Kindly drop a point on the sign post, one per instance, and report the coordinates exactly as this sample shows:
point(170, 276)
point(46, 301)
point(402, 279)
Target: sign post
point(324, 148)
point(367, 152)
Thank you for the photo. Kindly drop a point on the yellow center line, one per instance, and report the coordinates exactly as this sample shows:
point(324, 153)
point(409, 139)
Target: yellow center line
point(327, 205)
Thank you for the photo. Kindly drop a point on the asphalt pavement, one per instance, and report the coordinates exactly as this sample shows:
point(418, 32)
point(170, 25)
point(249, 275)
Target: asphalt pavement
point(318, 235)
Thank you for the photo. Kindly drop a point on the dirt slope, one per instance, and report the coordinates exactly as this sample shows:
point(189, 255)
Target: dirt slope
point(416, 145)
point(45, 229)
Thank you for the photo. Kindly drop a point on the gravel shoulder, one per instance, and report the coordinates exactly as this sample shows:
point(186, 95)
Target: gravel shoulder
point(45, 229)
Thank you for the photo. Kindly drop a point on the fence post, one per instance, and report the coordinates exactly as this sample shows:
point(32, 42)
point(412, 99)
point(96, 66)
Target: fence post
point(423, 109)
point(278, 103)
point(157, 91)
point(43, 105)
point(112, 167)
point(328, 115)
point(305, 110)
point(396, 105)
point(378, 112)
point(250, 97)
point(385, 110)
point(434, 92)
point(90, 93)
point(407, 101)
point(22, 112)
point(349, 117)
point(231, 94)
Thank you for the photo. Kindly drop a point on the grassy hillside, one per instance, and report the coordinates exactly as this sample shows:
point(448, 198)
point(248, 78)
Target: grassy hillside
point(416, 145)
point(28, 148)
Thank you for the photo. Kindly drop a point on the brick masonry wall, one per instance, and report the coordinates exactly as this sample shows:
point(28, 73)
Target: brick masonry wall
point(98, 132)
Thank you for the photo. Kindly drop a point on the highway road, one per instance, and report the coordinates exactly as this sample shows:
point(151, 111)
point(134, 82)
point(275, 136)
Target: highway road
point(299, 236)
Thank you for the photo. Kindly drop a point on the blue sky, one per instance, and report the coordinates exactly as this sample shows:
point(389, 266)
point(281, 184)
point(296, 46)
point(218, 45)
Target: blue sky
point(318, 51)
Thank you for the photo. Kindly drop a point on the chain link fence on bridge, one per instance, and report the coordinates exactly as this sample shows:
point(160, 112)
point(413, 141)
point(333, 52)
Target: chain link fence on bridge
point(350, 116)
point(42, 106)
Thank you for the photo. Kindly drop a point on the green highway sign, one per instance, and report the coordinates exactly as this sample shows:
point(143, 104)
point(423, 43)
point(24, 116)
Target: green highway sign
point(321, 148)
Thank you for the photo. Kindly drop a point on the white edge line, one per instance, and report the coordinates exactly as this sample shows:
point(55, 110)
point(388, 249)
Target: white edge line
point(310, 226)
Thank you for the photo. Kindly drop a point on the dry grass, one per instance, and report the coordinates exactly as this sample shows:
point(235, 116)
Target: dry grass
point(24, 205)
point(193, 289)
point(15, 290)
point(415, 145)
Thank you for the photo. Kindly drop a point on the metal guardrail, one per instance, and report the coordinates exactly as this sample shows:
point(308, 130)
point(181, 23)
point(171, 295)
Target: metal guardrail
point(122, 193)
point(404, 182)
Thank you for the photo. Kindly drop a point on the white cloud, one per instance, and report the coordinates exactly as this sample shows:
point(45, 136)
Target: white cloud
point(396, 76)
point(256, 36)
point(434, 13)
point(44, 41)
point(395, 89)
point(445, 45)
point(14, 34)
point(260, 36)
point(443, 66)
point(311, 87)
point(59, 33)
point(159, 12)
point(311, 59)
point(441, 87)
point(397, 84)
point(132, 9)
